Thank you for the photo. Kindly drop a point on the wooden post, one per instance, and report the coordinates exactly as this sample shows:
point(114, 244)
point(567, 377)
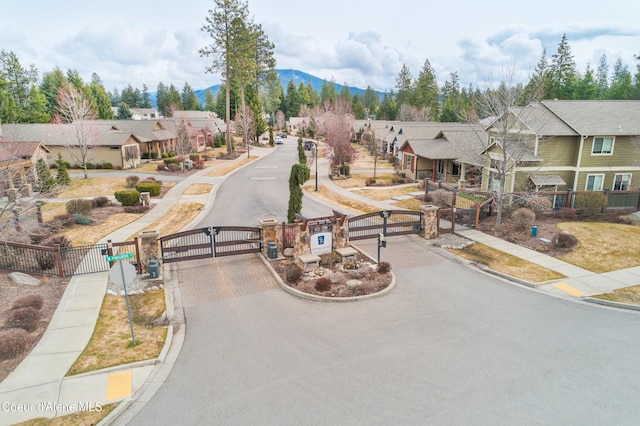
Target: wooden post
point(59, 261)
point(477, 216)
point(138, 260)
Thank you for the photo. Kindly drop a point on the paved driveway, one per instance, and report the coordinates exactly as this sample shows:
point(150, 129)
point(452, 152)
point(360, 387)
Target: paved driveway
point(447, 346)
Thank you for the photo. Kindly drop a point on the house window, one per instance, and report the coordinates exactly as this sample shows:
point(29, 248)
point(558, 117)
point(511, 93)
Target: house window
point(594, 182)
point(114, 148)
point(455, 169)
point(621, 182)
point(408, 161)
point(602, 146)
point(441, 167)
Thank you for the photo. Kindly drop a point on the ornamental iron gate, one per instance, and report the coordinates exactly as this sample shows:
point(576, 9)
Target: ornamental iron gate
point(387, 222)
point(214, 241)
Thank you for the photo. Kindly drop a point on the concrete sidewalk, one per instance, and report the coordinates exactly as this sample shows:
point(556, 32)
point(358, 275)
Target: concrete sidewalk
point(38, 386)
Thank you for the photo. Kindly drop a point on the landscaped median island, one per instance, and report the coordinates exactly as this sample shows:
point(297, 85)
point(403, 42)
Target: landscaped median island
point(332, 279)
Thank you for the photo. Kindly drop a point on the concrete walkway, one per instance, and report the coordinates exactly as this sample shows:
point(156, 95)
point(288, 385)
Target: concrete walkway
point(38, 386)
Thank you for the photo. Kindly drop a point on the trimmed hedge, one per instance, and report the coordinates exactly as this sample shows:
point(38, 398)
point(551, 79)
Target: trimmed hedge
point(79, 206)
point(151, 187)
point(127, 198)
point(168, 161)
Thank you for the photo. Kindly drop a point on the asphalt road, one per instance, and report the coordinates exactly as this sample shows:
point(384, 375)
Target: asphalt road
point(260, 190)
point(449, 345)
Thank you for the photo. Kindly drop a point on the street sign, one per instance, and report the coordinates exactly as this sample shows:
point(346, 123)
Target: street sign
point(120, 257)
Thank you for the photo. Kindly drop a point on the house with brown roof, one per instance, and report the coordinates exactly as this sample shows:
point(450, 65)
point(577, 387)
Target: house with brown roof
point(582, 145)
point(18, 166)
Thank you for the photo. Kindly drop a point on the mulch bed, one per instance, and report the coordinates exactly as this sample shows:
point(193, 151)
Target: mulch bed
point(51, 289)
point(371, 281)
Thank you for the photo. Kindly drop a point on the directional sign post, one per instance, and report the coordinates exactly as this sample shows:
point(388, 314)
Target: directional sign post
point(127, 273)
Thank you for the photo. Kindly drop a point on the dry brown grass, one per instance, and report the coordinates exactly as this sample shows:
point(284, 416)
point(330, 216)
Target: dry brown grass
point(81, 418)
point(49, 210)
point(358, 180)
point(92, 187)
point(603, 247)
point(228, 168)
point(629, 295)
point(386, 194)
point(334, 198)
point(198, 188)
point(507, 264)
point(150, 167)
point(410, 204)
point(177, 218)
point(110, 344)
point(90, 234)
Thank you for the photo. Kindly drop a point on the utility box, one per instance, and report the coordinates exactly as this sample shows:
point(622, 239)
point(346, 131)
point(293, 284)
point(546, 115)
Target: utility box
point(272, 251)
point(154, 269)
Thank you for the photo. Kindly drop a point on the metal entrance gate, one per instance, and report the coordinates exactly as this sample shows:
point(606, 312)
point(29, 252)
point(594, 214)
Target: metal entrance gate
point(388, 222)
point(214, 241)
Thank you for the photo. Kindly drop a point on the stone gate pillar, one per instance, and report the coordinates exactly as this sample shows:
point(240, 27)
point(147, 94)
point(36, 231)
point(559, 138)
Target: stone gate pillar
point(149, 249)
point(269, 233)
point(430, 221)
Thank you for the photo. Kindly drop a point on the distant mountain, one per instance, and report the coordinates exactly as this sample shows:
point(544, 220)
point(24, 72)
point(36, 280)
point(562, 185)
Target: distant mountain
point(285, 76)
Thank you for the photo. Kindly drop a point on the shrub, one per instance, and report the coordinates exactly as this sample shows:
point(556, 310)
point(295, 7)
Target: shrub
point(127, 198)
point(589, 202)
point(384, 267)
point(172, 153)
point(135, 209)
point(98, 166)
point(369, 181)
point(154, 155)
point(13, 342)
point(151, 187)
point(25, 318)
point(441, 198)
point(293, 274)
point(108, 166)
point(132, 181)
point(81, 219)
point(89, 166)
point(566, 213)
point(344, 170)
point(79, 206)
point(538, 204)
point(323, 284)
point(565, 239)
point(144, 156)
point(194, 157)
point(101, 201)
point(173, 167)
point(165, 155)
point(60, 240)
point(162, 167)
point(523, 218)
point(31, 301)
point(169, 161)
point(65, 220)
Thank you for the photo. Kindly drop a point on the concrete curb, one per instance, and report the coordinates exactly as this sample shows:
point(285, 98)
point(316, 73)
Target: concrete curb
point(317, 298)
point(611, 303)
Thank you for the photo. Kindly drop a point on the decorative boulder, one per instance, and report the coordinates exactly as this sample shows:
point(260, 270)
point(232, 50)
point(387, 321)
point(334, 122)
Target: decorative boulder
point(24, 279)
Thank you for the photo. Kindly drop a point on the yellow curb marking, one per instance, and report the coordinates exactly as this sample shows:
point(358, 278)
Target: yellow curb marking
point(119, 385)
point(568, 289)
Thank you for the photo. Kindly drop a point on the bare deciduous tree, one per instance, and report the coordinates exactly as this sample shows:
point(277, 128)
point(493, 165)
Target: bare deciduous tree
point(74, 110)
point(339, 133)
point(246, 123)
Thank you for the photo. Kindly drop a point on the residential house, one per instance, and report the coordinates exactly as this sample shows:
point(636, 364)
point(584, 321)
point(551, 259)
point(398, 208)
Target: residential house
point(140, 113)
point(203, 127)
point(103, 142)
point(153, 136)
point(582, 145)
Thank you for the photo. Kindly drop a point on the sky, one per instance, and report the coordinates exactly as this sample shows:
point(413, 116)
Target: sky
point(358, 43)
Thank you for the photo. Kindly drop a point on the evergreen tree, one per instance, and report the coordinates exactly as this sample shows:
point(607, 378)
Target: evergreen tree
point(345, 93)
point(50, 86)
point(209, 100)
point(602, 77)
point(539, 81)
point(190, 101)
point(563, 74)
point(146, 97)
point(45, 181)
point(588, 86)
point(302, 156)
point(62, 177)
point(124, 113)
point(291, 103)
point(328, 92)
point(162, 101)
point(388, 109)
point(299, 175)
point(36, 109)
point(427, 91)
point(621, 85)
point(455, 106)
point(102, 101)
point(404, 86)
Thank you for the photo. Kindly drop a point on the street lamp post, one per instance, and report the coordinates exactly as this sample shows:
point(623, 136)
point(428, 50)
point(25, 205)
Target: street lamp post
point(316, 154)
